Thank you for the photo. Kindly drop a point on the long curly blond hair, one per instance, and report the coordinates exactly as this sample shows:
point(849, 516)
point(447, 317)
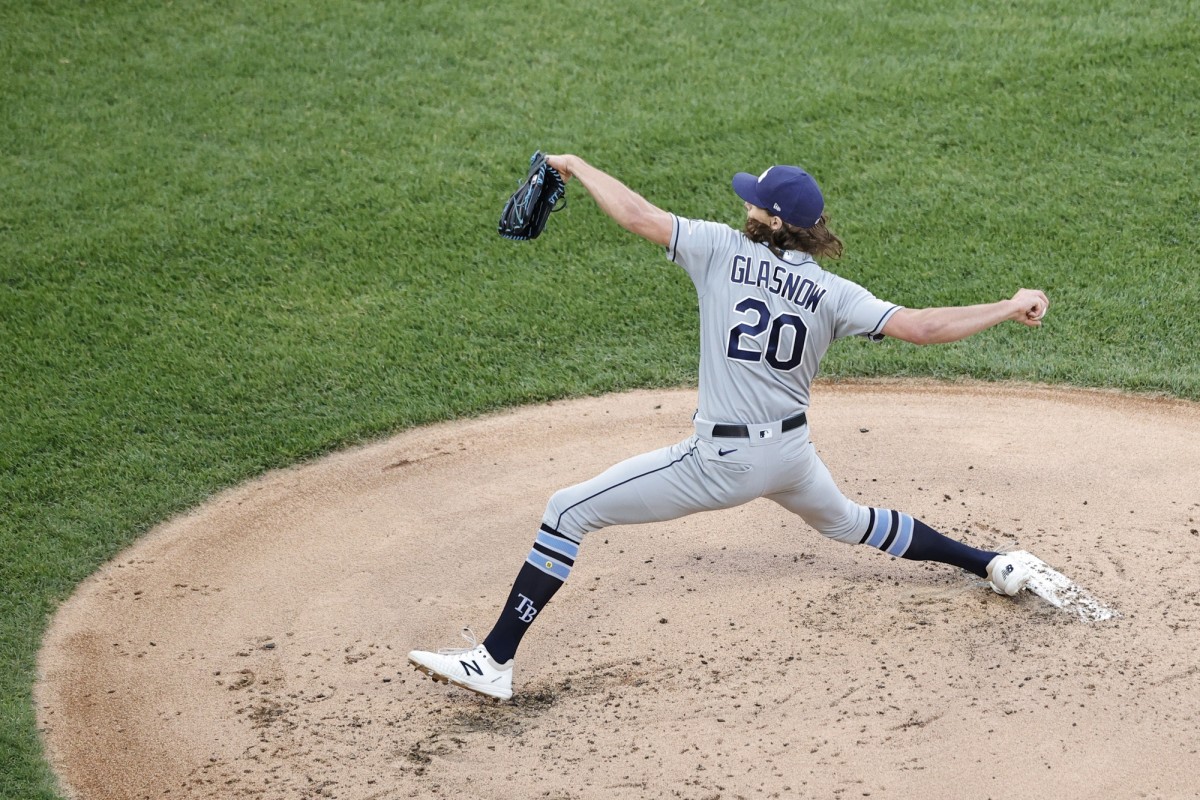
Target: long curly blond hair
point(818, 241)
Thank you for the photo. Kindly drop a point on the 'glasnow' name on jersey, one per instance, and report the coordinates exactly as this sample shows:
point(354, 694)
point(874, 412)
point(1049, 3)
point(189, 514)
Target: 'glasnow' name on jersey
point(801, 291)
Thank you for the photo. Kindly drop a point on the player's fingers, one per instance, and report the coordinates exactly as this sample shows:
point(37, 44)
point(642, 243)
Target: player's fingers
point(1034, 302)
point(1041, 306)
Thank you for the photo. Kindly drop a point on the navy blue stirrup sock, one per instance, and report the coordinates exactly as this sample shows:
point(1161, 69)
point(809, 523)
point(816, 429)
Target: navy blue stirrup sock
point(546, 567)
point(530, 593)
point(929, 545)
point(904, 536)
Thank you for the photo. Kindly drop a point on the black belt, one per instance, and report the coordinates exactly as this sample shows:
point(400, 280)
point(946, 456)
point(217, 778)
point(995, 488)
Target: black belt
point(728, 431)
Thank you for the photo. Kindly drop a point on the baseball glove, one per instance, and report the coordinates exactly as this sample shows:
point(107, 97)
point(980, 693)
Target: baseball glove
point(525, 214)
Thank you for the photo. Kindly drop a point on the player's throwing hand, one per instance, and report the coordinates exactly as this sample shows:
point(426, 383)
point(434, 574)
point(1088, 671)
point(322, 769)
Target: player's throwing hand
point(1032, 305)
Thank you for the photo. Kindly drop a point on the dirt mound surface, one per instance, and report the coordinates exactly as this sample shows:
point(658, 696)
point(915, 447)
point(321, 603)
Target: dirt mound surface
point(255, 648)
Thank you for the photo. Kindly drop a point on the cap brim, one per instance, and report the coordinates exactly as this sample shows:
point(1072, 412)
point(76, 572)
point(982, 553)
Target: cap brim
point(745, 186)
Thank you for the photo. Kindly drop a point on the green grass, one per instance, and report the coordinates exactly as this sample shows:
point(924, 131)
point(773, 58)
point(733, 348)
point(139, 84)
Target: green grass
point(237, 235)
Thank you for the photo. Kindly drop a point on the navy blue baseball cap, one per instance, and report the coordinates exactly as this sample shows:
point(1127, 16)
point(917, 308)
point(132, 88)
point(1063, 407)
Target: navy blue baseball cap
point(789, 193)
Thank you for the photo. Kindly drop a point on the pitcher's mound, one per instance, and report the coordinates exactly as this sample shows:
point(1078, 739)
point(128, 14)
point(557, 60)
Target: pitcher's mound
point(255, 648)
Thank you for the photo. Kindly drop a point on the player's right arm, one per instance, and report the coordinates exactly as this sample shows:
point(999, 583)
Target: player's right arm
point(953, 323)
point(628, 208)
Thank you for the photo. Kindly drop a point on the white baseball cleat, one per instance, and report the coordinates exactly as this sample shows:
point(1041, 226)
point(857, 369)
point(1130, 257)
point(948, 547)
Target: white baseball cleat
point(469, 667)
point(1007, 574)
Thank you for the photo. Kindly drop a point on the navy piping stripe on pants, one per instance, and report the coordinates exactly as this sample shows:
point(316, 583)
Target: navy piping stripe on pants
point(558, 522)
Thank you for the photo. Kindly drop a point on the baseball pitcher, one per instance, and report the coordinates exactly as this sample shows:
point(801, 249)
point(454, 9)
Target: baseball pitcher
point(768, 313)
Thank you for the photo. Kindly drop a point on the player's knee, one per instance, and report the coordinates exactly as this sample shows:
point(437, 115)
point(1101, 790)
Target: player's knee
point(841, 534)
point(846, 527)
point(562, 514)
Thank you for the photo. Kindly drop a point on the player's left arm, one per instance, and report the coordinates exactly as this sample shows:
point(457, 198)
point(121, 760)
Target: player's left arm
point(628, 208)
point(953, 323)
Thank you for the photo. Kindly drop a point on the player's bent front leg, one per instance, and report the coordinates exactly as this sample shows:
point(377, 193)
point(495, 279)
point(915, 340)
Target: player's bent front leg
point(653, 487)
point(661, 485)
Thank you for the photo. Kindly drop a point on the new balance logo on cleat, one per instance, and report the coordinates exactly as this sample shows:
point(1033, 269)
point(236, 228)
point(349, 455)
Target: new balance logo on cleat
point(1007, 574)
point(471, 668)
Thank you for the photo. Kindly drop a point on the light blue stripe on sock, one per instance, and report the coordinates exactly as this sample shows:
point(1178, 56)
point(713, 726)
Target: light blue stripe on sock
point(903, 536)
point(558, 544)
point(548, 565)
point(883, 523)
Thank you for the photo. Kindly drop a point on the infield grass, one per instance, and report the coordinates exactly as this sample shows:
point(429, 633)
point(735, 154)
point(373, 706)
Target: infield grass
point(238, 235)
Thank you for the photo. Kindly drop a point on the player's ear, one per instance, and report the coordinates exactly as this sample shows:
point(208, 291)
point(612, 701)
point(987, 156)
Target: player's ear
point(776, 224)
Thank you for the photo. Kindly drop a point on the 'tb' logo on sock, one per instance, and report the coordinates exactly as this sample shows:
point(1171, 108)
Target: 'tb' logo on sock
point(525, 609)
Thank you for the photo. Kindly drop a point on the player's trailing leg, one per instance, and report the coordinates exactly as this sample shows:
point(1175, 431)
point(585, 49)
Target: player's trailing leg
point(901, 535)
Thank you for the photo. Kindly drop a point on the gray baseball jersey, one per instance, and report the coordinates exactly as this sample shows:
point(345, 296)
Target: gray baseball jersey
point(765, 324)
point(765, 321)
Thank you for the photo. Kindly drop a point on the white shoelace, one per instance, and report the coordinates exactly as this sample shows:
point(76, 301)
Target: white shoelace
point(469, 636)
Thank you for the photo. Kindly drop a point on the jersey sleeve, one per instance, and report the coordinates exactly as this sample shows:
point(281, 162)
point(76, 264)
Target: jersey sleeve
point(860, 313)
point(697, 245)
